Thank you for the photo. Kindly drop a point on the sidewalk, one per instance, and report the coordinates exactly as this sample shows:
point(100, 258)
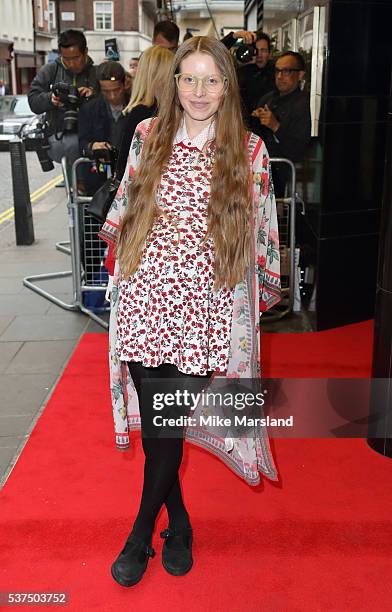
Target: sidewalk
point(36, 336)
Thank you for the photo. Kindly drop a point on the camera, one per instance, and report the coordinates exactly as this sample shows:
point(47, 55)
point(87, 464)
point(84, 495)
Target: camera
point(245, 53)
point(39, 140)
point(70, 97)
point(110, 155)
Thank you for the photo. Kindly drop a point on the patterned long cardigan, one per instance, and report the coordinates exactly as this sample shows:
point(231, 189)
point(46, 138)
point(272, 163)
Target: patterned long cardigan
point(246, 455)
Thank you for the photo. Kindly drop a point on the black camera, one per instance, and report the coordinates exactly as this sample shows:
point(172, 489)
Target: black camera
point(109, 154)
point(245, 53)
point(70, 97)
point(38, 140)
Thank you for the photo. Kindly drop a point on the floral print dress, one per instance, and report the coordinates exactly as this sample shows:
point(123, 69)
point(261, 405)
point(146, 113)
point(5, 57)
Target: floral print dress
point(168, 311)
point(249, 455)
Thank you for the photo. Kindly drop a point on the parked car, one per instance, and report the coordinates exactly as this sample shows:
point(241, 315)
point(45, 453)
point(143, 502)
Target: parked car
point(16, 119)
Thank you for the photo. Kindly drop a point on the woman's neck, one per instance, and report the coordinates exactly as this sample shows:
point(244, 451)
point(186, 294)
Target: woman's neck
point(194, 128)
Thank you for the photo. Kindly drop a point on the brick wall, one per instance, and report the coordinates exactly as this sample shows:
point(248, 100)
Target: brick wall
point(45, 26)
point(79, 8)
point(125, 14)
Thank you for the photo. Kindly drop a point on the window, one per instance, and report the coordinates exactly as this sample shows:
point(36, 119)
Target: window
point(40, 14)
point(147, 24)
point(103, 15)
point(52, 16)
point(22, 106)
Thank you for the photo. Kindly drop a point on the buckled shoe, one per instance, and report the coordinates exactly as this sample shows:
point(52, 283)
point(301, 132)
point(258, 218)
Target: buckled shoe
point(132, 561)
point(177, 550)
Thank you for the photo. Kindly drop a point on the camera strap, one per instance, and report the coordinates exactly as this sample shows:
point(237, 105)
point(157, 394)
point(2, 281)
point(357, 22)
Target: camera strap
point(53, 78)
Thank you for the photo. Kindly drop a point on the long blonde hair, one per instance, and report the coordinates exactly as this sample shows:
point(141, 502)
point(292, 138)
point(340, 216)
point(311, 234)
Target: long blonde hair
point(152, 72)
point(229, 203)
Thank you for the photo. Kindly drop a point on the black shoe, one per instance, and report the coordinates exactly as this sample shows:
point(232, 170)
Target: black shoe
point(132, 561)
point(177, 550)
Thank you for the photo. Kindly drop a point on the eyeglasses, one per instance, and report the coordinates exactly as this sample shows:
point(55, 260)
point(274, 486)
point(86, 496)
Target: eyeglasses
point(286, 71)
point(213, 83)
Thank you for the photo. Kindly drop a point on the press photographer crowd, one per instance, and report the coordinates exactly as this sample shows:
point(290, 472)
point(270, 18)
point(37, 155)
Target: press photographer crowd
point(93, 110)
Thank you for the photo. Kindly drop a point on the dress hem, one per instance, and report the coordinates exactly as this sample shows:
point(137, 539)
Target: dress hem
point(216, 446)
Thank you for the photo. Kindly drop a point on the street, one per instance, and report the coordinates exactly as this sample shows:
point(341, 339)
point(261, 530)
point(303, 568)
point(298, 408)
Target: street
point(37, 179)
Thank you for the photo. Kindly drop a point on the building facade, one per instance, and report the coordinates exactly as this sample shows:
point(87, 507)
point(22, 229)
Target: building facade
point(215, 18)
point(45, 28)
point(17, 53)
point(129, 22)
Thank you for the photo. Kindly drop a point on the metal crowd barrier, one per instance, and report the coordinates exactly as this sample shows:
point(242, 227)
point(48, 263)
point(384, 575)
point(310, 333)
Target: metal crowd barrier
point(86, 250)
point(89, 252)
point(286, 211)
point(82, 252)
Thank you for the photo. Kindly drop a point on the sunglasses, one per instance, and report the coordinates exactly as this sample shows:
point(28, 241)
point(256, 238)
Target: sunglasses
point(286, 71)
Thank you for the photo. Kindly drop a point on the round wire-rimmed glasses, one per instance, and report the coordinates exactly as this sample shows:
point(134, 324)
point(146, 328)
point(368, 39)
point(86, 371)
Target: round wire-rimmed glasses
point(213, 83)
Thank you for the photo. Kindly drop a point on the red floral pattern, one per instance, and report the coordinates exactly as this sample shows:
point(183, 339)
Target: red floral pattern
point(168, 311)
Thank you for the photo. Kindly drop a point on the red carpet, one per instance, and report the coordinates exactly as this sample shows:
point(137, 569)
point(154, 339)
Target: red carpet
point(344, 352)
point(321, 540)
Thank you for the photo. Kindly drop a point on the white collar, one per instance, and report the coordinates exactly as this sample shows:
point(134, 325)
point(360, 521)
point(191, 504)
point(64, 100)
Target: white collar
point(198, 141)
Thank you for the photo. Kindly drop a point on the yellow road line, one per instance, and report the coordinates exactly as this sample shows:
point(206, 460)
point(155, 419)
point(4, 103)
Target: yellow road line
point(44, 187)
point(4, 219)
point(6, 212)
point(38, 193)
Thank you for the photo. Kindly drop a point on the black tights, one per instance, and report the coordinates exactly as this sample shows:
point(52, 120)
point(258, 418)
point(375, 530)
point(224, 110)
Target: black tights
point(163, 455)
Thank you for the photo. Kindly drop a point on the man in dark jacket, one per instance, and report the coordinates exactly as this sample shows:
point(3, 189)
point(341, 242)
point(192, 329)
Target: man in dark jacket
point(101, 120)
point(74, 67)
point(101, 127)
point(256, 78)
point(282, 117)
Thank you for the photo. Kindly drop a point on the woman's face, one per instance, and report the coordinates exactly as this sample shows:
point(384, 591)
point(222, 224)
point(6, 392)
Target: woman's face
point(199, 104)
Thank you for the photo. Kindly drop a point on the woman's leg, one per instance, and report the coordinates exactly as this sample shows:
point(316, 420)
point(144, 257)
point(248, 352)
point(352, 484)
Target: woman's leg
point(177, 513)
point(163, 455)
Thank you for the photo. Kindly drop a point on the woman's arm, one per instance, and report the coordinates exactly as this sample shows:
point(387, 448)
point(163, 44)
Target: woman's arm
point(266, 229)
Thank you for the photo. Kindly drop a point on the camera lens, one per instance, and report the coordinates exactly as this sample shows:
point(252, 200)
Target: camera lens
point(70, 120)
point(46, 163)
point(42, 154)
point(73, 98)
point(245, 53)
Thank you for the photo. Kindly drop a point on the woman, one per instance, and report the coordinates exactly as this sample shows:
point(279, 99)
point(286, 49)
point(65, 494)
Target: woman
point(153, 71)
point(197, 248)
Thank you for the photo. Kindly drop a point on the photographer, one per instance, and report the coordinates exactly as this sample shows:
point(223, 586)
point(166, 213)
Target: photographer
point(102, 123)
point(257, 77)
point(101, 128)
point(282, 117)
point(59, 89)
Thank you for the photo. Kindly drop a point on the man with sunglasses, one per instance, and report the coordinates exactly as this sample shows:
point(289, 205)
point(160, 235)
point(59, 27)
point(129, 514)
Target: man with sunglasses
point(282, 116)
